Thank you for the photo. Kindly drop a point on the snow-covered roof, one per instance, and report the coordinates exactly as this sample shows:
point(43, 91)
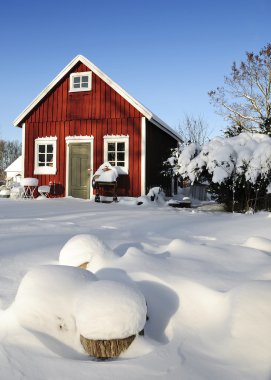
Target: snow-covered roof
point(16, 166)
point(80, 58)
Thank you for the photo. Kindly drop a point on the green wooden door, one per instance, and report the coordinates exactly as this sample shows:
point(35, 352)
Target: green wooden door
point(79, 163)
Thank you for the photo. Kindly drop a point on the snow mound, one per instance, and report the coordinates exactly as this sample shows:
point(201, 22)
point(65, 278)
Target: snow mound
point(84, 248)
point(250, 318)
point(65, 302)
point(260, 243)
point(177, 246)
point(110, 310)
point(44, 301)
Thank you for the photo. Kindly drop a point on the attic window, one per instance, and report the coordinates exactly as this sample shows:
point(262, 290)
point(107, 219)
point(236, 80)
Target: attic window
point(80, 81)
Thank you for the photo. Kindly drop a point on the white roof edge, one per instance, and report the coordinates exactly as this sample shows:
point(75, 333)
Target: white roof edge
point(80, 58)
point(165, 127)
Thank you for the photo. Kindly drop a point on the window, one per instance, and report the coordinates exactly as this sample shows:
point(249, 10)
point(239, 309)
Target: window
point(116, 151)
point(45, 155)
point(80, 81)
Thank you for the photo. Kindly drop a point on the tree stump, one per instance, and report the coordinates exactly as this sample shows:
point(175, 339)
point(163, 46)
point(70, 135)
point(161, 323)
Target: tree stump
point(105, 349)
point(84, 265)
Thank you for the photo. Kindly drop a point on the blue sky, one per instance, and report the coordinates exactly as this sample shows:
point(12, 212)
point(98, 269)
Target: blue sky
point(167, 54)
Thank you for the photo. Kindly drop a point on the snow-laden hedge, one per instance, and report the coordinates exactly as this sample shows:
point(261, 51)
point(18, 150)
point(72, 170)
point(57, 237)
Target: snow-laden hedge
point(243, 161)
point(246, 154)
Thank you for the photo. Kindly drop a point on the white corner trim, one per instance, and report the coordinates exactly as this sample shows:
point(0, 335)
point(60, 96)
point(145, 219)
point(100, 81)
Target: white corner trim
point(143, 156)
point(74, 140)
point(23, 148)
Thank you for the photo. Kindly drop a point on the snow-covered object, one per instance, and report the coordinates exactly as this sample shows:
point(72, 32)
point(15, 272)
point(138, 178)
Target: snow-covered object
point(66, 302)
point(154, 191)
point(84, 248)
point(246, 154)
point(110, 310)
point(260, 243)
point(30, 182)
point(4, 193)
point(155, 194)
point(106, 173)
point(16, 192)
point(46, 295)
point(186, 285)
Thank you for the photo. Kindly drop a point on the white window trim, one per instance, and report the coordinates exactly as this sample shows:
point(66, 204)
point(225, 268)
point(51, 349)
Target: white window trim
point(73, 140)
point(80, 74)
point(45, 169)
point(118, 138)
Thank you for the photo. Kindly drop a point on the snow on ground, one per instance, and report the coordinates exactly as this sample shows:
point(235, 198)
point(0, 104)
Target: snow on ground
point(206, 277)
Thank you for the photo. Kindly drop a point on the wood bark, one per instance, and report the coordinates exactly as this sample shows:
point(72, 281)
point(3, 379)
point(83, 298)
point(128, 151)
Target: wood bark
point(105, 349)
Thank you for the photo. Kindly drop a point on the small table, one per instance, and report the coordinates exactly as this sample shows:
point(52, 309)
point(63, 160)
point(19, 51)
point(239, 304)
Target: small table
point(44, 191)
point(30, 185)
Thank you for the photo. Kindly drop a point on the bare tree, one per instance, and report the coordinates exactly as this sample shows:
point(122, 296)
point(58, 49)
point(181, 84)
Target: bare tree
point(245, 98)
point(194, 130)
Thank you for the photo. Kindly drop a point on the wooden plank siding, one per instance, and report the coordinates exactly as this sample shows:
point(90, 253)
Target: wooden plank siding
point(98, 128)
point(99, 112)
point(158, 147)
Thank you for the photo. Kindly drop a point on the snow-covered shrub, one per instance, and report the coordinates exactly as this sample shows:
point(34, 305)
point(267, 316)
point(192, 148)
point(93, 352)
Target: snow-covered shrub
point(71, 305)
point(237, 168)
point(85, 251)
point(156, 194)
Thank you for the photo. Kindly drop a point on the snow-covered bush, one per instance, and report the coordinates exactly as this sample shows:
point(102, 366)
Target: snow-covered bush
point(71, 305)
point(85, 251)
point(237, 168)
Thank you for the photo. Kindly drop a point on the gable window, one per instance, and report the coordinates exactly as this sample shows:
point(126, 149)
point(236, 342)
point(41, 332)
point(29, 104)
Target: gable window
point(45, 155)
point(116, 151)
point(80, 81)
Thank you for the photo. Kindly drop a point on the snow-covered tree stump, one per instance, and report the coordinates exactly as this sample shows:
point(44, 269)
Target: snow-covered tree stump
point(109, 315)
point(67, 303)
point(84, 265)
point(104, 349)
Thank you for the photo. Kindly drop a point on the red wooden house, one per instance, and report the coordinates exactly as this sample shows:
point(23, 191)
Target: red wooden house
point(82, 119)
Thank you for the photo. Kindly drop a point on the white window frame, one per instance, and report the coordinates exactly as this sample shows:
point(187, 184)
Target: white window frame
point(79, 75)
point(116, 139)
point(45, 169)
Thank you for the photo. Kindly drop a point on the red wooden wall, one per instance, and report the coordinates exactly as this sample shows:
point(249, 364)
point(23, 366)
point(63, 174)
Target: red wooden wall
point(102, 111)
